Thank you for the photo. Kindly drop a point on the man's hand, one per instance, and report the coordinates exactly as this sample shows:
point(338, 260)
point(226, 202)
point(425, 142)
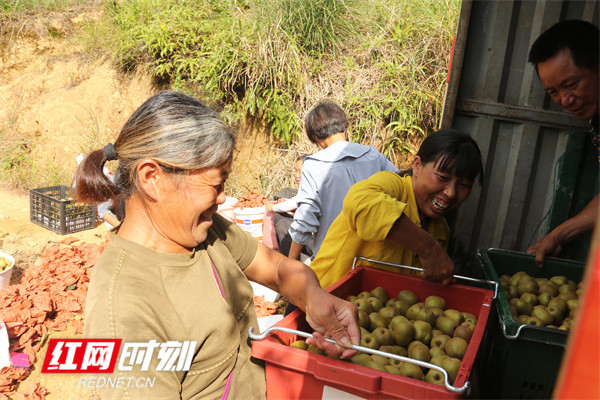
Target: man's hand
point(548, 246)
point(551, 244)
point(332, 317)
point(437, 265)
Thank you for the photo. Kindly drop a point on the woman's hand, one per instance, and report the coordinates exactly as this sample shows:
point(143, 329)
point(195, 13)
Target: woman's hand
point(328, 315)
point(437, 265)
point(332, 317)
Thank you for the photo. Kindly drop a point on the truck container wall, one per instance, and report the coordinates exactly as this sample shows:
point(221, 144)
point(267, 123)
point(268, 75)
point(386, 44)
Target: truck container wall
point(540, 167)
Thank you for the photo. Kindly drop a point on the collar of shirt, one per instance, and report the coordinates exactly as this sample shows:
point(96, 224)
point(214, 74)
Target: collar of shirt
point(340, 150)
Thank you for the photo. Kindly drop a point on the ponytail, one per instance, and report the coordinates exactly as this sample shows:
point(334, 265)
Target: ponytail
point(90, 185)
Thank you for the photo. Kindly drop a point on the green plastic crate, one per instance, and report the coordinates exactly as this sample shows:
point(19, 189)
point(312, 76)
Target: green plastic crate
point(520, 361)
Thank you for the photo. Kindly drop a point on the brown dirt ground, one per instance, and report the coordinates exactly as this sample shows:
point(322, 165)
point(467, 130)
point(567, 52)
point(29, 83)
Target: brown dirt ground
point(25, 241)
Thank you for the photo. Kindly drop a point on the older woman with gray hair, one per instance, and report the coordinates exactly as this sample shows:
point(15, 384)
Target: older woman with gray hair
point(176, 272)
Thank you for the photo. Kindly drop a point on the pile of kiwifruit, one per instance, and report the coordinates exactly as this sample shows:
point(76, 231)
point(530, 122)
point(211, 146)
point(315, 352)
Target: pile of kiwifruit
point(5, 264)
point(550, 302)
point(403, 325)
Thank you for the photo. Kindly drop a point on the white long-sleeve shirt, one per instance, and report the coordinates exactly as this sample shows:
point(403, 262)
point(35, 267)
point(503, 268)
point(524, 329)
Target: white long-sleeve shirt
point(287, 205)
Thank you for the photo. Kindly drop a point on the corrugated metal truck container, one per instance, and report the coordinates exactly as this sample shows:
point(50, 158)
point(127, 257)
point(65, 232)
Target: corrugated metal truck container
point(540, 165)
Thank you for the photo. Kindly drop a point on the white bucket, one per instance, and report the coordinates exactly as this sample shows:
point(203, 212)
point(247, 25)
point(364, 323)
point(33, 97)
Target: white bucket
point(6, 274)
point(226, 209)
point(250, 219)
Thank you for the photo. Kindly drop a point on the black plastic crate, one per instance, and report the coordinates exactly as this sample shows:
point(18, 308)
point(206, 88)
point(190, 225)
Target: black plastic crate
point(520, 361)
point(53, 208)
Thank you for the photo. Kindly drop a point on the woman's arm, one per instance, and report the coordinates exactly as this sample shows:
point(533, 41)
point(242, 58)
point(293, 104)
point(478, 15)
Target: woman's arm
point(328, 315)
point(111, 219)
point(437, 265)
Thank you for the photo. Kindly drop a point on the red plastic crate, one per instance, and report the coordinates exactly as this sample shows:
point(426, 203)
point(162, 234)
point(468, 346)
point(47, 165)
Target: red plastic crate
point(297, 374)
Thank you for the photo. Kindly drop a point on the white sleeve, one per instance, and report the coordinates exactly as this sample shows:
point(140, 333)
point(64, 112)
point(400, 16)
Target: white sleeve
point(104, 208)
point(308, 214)
point(285, 206)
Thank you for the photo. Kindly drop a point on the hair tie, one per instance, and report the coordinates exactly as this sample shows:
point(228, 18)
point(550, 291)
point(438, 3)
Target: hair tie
point(110, 153)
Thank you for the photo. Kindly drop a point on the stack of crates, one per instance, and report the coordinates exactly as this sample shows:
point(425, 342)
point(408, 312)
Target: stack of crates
point(53, 208)
point(520, 361)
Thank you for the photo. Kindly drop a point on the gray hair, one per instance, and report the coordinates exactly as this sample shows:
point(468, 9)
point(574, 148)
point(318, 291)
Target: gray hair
point(177, 131)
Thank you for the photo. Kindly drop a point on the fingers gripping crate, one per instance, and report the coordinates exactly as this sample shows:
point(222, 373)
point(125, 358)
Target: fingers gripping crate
point(53, 208)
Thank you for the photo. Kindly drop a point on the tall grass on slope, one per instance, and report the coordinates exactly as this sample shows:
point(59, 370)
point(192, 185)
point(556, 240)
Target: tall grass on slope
point(395, 82)
point(32, 6)
point(384, 61)
point(252, 60)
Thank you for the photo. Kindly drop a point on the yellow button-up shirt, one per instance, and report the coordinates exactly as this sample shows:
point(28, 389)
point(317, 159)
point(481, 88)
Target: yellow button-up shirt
point(370, 209)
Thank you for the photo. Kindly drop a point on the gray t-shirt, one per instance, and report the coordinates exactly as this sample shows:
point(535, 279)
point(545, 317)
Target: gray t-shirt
point(137, 294)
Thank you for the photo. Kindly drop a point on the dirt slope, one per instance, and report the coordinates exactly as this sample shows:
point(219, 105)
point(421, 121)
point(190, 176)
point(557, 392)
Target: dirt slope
point(65, 102)
point(63, 99)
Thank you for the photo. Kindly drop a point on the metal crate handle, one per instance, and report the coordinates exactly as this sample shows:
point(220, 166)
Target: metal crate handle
point(527, 326)
point(265, 334)
point(503, 317)
point(465, 278)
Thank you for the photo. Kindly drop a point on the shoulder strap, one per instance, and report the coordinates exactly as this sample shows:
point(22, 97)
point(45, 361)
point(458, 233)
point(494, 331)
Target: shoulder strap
point(228, 384)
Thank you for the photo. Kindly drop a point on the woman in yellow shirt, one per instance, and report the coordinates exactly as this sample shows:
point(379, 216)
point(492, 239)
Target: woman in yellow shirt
point(400, 219)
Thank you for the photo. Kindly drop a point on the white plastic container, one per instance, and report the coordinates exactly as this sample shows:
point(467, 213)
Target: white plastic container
point(226, 209)
point(260, 290)
point(6, 274)
point(4, 349)
point(250, 219)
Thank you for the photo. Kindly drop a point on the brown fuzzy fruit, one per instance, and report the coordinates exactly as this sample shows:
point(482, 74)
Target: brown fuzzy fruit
point(456, 347)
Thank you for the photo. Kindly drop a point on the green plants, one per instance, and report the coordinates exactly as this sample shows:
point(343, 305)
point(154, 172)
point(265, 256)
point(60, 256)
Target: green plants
point(263, 60)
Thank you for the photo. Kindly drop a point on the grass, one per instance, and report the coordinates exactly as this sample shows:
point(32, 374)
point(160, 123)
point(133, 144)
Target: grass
point(12, 7)
point(268, 62)
point(37, 18)
point(24, 164)
point(19, 169)
point(384, 61)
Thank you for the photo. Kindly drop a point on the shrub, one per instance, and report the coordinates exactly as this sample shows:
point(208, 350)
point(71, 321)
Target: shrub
point(384, 61)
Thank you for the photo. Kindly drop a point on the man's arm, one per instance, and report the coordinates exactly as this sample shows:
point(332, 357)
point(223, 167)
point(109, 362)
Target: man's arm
point(306, 216)
point(551, 244)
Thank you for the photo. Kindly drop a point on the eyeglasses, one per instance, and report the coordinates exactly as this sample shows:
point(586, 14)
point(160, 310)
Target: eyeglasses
point(173, 170)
